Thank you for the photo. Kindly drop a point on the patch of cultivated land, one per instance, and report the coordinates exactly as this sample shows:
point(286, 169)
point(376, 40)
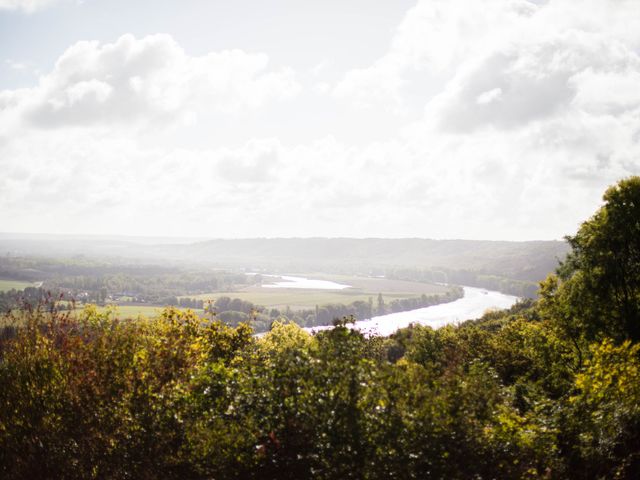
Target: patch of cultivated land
point(122, 312)
point(6, 285)
point(383, 285)
point(133, 311)
point(362, 288)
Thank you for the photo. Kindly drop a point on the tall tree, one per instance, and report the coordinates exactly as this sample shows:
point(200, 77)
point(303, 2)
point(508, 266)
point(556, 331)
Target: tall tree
point(381, 306)
point(599, 292)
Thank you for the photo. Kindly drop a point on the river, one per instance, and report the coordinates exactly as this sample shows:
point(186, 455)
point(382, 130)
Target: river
point(288, 281)
point(474, 303)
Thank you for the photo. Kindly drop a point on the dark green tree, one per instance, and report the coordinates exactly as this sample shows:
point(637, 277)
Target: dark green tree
point(381, 306)
point(599, 289)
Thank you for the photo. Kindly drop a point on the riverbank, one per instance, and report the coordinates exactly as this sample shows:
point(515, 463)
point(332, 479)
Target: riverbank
point(474, 303)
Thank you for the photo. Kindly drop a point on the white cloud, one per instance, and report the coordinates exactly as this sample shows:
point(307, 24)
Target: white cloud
point(538, 184)
point(27, 6)
point(607, 92)
point(434, 37)
point(532, 109)
point(256, 162)
point(534, 80)
point(489, 96)
point(149, 80)
point(439, 40)
point(523, 114)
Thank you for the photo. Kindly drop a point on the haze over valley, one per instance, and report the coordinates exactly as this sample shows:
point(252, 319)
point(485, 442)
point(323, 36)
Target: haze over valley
point(273, 239)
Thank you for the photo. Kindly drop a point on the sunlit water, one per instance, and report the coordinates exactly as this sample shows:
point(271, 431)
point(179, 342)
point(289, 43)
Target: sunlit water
point(474, 304)
point(307, 283)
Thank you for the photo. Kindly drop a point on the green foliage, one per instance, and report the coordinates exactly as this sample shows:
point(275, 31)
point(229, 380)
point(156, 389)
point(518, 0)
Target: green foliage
point(93, 396)
point(599, 295)
point(607, 405)
point(547, 389)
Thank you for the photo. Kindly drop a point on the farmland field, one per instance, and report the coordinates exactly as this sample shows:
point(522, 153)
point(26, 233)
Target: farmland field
point(6, 285)
point(379, 284)
point(362, 288)
point(133, 311)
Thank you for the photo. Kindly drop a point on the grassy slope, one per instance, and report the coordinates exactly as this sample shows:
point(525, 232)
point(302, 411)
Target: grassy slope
point(6, 285)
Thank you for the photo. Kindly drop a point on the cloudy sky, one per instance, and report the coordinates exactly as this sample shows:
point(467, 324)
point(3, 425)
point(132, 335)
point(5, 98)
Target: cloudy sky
point(491, 119)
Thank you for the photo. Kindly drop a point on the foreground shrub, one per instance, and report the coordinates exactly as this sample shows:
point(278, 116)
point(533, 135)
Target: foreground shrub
point(89, 395)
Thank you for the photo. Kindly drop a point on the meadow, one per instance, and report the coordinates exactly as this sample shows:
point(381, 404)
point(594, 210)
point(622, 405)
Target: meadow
point(7, 285)
point(362, 289)
point(134, 311)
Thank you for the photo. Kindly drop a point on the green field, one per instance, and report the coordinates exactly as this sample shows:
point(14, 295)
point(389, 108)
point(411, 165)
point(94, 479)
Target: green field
point(122, 312)
point(133, 311)
point(6, 285)
point(362, 289)
point(379, 284)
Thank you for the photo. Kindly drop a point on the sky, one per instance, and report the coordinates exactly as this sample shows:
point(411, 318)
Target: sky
point(491, 119)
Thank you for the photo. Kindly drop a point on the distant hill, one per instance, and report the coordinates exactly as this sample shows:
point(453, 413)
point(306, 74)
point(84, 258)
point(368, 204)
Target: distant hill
point(523, 261)
point(517, 260)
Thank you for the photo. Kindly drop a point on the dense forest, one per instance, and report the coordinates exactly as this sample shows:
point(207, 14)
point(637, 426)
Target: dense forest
point(548, 389)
